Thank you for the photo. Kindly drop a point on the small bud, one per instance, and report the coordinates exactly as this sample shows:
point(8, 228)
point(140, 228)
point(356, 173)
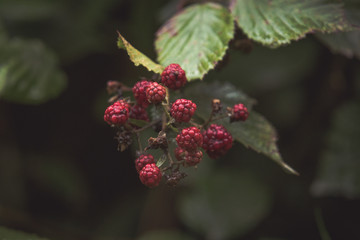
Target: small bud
point(159, 142)
point(216, 105)
point(174, 178)
point(124, 139)
point(113, 87)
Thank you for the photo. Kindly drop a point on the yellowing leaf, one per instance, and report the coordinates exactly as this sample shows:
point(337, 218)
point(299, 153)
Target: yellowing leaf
point(137, 57)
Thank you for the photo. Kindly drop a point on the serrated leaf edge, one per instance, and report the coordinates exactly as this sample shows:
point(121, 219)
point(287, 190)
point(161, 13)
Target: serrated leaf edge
point(167, 25)
point(268, 43)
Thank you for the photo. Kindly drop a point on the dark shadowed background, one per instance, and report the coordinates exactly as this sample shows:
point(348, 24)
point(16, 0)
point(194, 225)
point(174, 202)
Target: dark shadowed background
point(61, 176)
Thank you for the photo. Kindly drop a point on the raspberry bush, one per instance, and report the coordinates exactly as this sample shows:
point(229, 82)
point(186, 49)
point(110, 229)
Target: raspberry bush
point(197, 118)
point(204, 53)
point(130, 118)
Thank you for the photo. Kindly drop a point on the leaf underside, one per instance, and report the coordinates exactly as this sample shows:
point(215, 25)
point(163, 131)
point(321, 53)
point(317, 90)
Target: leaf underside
point(277, 22)
point(346, 43)
point(255, 133)
point(196, 38)
point(137, 57)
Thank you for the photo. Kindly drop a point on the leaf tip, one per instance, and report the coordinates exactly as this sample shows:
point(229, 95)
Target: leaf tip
point(120, 42)
point(289, 169)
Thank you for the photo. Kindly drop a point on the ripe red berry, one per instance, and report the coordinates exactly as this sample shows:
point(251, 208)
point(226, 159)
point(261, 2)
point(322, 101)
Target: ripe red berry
point(189, 139)
point(155, 93)
point(173, 76)
point(118, 113)
point(150, 175)
point(138, 112)
point(217, 140)
point(182, 110)
point(239, 113)
point(139, 91)
point(191, 158)
point(141, 161)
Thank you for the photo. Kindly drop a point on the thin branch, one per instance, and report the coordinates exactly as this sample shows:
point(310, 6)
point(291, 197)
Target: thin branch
point(219, 117)
point(139, 141)
point(146, 126)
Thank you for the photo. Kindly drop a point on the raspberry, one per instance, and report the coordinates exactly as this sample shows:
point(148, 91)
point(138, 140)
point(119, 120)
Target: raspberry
point(173, 76)
point(117, 114)
point(189, 139)
point(182, 110)
point(217, 140)
point(239, 113)
point(155, 93)
point(141, 161)
point(138, 112)
point(139, 91)
point(150, 175)
point(191, 158)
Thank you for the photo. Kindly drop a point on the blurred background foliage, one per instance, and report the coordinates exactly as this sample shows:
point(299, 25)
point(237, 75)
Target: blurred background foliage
point(62, 178)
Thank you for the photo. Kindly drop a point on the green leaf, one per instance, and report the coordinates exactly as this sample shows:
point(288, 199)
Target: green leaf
point(346, 43)
point(278, 22)
point(3, 74)
point(8, 234)
point(164, 235)
point(339, 167)
point(137, 57)
point(29, 72)
point(256, 132)
point(196, 38)
point(276, 69)
point(161, 160)
point(3, 34)
point(137, 122)
point(228, 204)
point(224, 91)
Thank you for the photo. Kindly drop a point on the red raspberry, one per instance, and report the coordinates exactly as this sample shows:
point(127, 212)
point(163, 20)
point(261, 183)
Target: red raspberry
point(182, 110)
point(189, 139)
point(141, 161)
point(155, 93)
point(150, 175)
point(217, 140)
point(191, 158)
point(239, 113)
point(139, 91)
point(138, 112)
point(117, 114)
point(173, 76)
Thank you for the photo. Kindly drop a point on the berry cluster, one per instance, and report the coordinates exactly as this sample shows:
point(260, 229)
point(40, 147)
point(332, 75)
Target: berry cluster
point(131, 118)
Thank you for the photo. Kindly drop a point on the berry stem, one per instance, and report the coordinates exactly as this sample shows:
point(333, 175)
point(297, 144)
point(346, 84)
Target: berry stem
point(168, 155)
point(139, 141)
point(209, 119)
point(164, 125)
point(168, 116)
point(219, 117)
point(146, 126)
point(212, 119)
point(195, 124)
point(166, 110)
